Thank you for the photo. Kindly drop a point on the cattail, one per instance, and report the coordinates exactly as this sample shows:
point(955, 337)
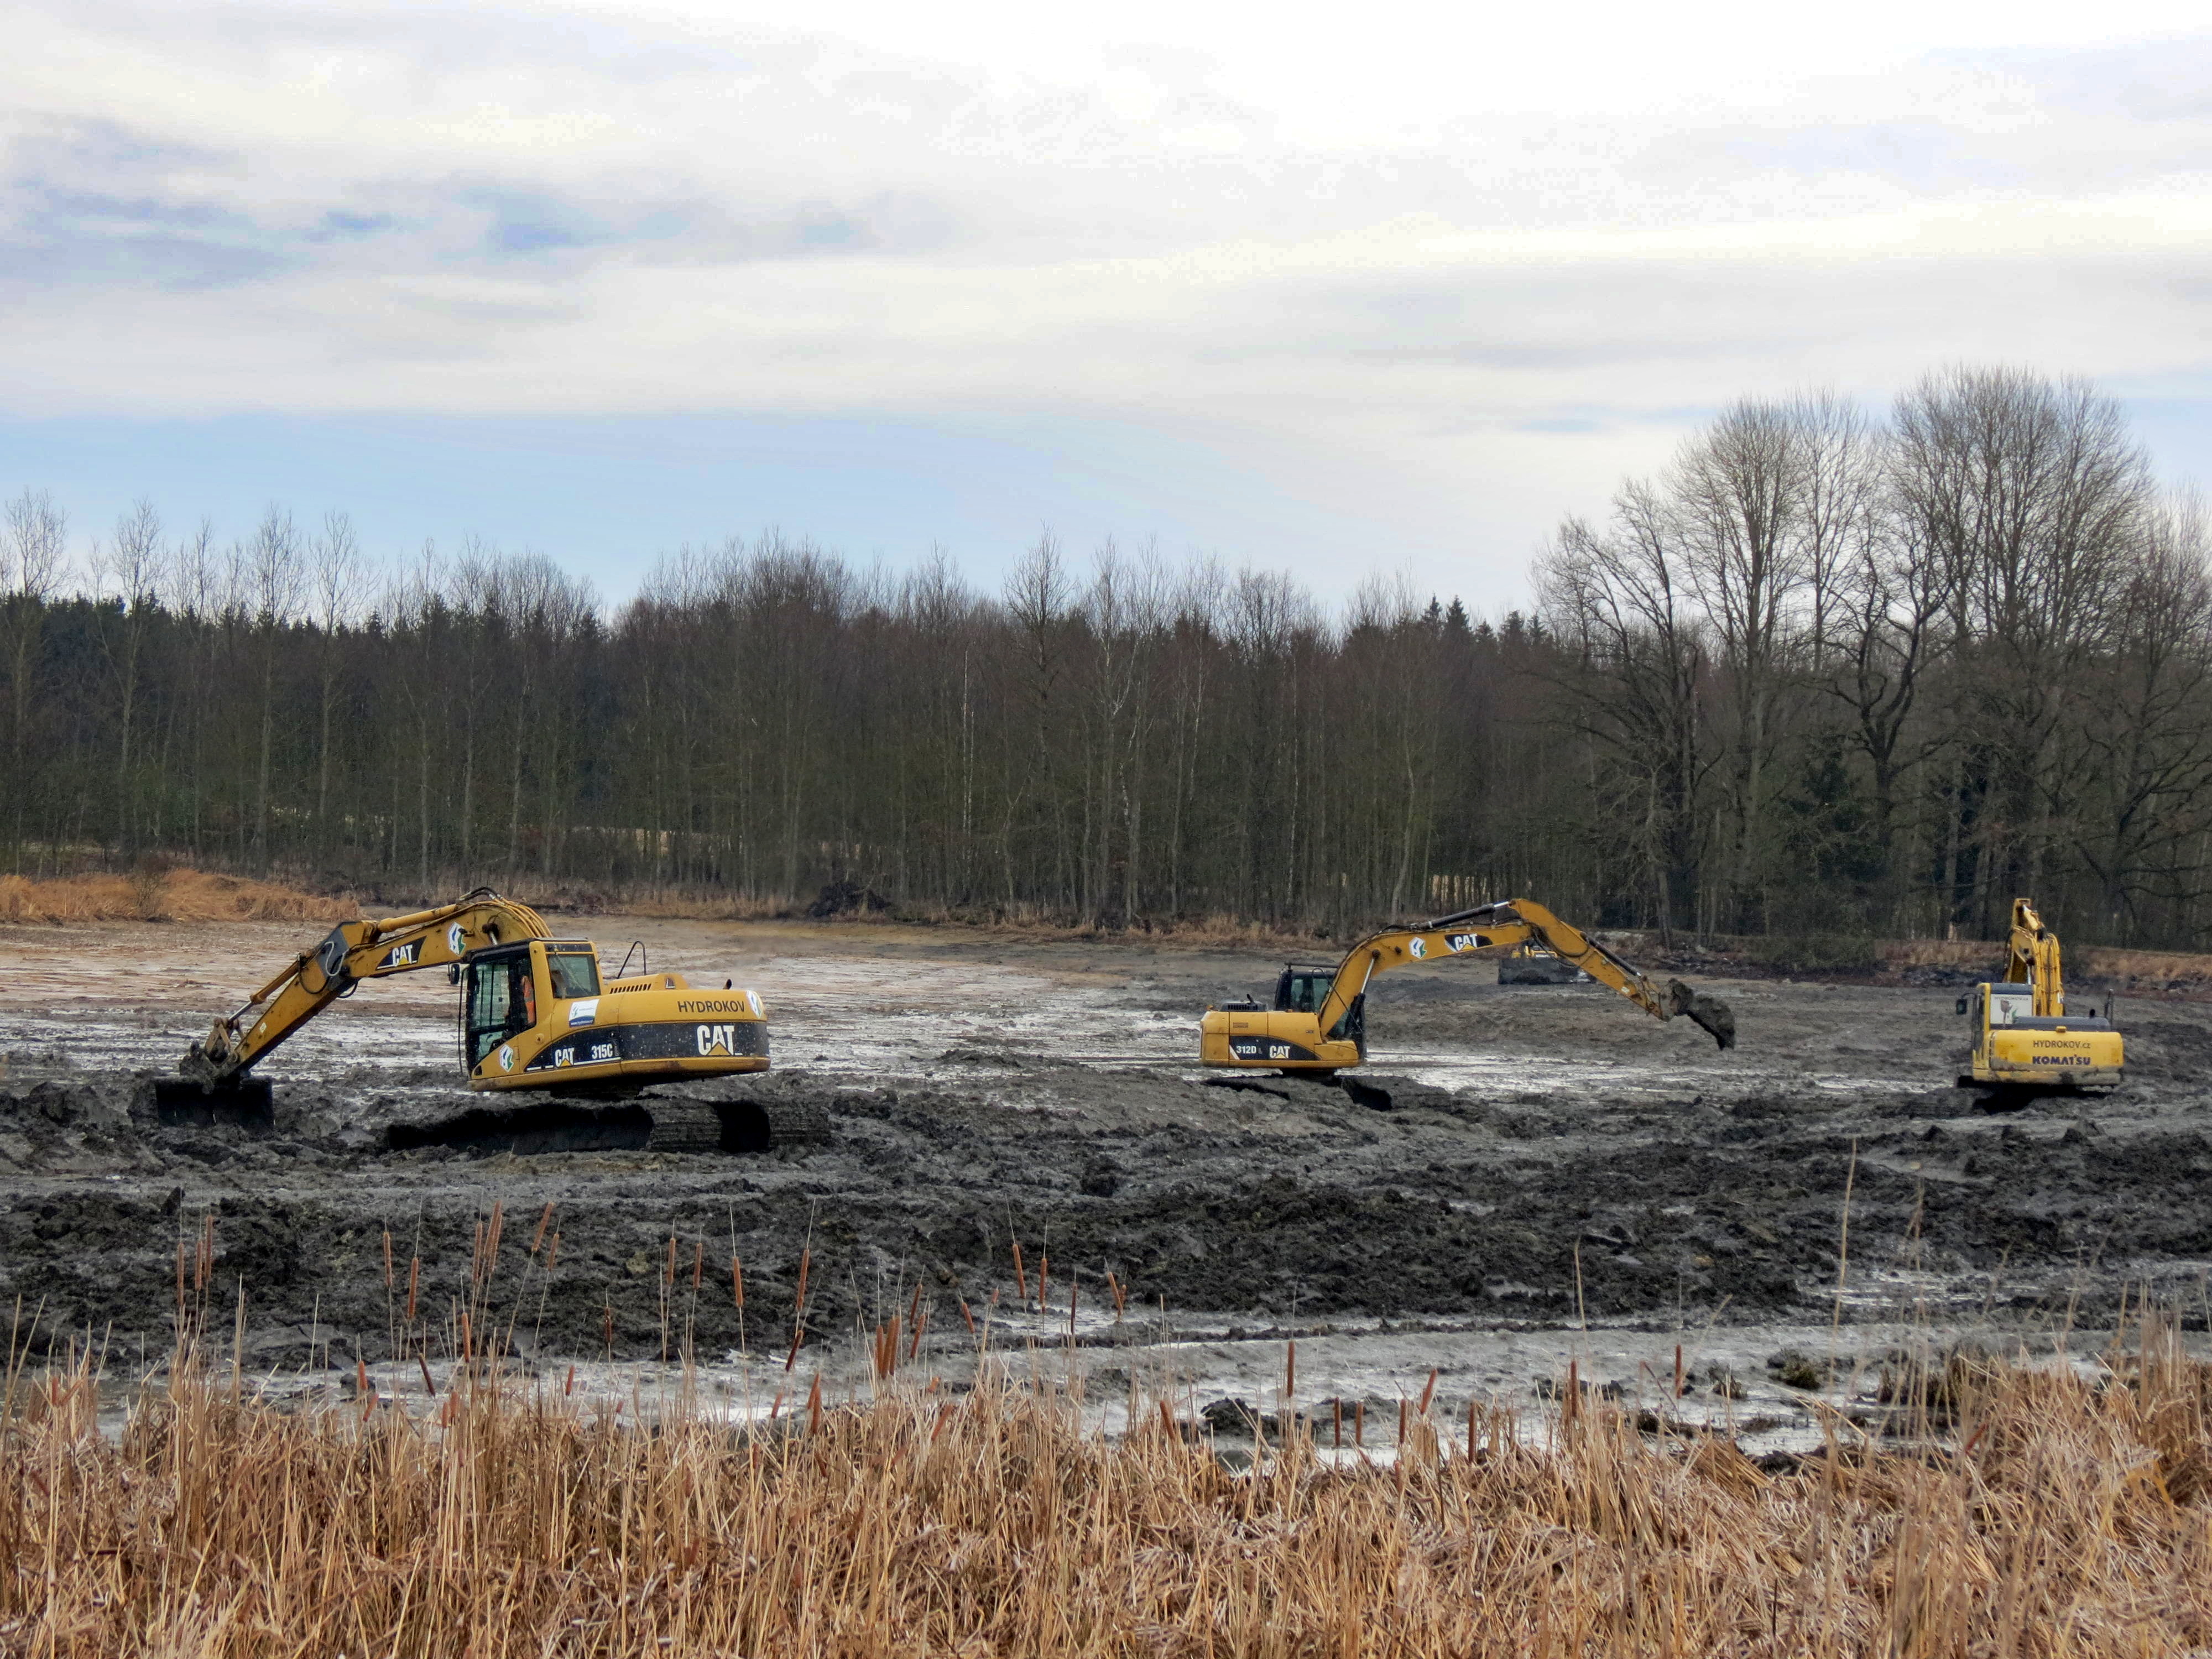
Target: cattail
point(668, 1274)
point(1429, 1392)
point(698, 1263)
point(553, 1252)
point(1021, 1283)
point(387, 1257)
point(544, 1220)
point(414, 1280)
point(738, 1283)
point(967, 1315)
point(814, 1405)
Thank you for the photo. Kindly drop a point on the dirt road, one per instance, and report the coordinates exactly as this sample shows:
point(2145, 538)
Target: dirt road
point(1548, 1161)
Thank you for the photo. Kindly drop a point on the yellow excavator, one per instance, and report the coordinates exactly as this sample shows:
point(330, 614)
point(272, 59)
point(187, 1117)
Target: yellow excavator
point(2025, 1036)
point(1319, 1022)
point(535, 1012)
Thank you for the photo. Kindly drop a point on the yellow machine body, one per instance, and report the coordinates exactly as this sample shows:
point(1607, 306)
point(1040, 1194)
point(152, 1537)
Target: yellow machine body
point(2025, 1033)
point(535, 1011)
point(536, 1015)
point(1318, 1023)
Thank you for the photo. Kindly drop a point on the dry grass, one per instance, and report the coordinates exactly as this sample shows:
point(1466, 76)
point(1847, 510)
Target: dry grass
point(163, 895)
point(2070, 1519)
point(2124, 970)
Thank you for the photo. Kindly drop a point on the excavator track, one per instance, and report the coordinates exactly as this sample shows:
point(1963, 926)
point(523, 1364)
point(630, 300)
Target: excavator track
point(686, 1124)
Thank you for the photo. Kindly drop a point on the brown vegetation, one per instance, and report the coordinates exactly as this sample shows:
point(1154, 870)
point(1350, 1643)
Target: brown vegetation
point(2065, 1514)
point(152, 894)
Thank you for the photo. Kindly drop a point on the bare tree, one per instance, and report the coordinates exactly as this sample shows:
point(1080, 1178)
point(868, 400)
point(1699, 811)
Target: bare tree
point(2034, 494)
point(273, 571)
point(338, 583)
point(1633, 675)
point(35, 547)
point(134, 563)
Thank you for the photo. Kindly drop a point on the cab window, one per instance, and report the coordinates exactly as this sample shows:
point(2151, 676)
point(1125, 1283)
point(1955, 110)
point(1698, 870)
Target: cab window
point(498, 1007)
point(1308, 992)
point(575, 974)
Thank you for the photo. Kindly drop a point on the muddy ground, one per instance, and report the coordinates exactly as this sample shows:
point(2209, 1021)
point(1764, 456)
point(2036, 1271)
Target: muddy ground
point(1519, 1160)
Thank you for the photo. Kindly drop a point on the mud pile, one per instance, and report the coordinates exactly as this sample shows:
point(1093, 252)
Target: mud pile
point(1281, 1203)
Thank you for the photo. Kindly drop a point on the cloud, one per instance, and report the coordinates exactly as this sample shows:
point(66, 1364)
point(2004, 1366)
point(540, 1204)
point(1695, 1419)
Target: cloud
point(1403, 249)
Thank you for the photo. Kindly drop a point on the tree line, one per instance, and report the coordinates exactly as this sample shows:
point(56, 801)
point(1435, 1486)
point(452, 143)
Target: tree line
point(1829, 672)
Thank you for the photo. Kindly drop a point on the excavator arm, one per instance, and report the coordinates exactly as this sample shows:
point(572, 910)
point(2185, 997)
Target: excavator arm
point(2033, 959)
point(354, 952)
point(1516, 922)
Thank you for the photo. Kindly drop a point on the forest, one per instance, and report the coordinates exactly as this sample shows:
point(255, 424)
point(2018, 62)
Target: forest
point(1831, 672)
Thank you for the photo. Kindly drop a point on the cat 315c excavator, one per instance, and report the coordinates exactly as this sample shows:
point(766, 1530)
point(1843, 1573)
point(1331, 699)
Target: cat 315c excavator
point(535, 1013)
point(2025, 1034)
point(1319, 1022)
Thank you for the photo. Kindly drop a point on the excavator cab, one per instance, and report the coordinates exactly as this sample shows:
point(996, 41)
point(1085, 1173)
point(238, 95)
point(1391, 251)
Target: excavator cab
point(1291, 1035)
point(2015, 1048)
point(2028, 1032)
point(499, 1000)
point(1303, 990)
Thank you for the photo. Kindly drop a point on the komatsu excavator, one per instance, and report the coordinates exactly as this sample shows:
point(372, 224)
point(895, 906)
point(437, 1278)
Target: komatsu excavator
point(1319, 1022)
point(535, 1012)
point(2025, 1036)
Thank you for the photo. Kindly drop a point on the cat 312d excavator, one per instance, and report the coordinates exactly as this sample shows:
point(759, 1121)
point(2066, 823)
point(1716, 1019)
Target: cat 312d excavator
point(1319, 1022)
point(535, 1013)
point(2025, 1034)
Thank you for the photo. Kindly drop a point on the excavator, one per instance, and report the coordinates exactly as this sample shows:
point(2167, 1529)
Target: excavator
point(535, 1012)
point(1319, 1020)
point(2025, 1037)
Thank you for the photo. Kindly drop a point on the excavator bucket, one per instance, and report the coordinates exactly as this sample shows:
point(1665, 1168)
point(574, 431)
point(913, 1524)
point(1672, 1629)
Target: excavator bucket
point(242, 1103)
point(1704, 1009)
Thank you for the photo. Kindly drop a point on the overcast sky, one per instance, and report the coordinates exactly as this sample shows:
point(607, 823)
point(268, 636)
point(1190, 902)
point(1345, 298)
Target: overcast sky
point(1375, 287)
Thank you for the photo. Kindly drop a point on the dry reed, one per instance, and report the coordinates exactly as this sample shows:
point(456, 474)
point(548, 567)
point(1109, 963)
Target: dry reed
point(506, 1519)
point(155, 895)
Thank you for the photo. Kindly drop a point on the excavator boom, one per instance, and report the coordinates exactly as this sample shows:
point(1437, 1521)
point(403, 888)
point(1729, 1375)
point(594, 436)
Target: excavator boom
point(536, 1012)
point(351, 952)
point(2023, 1036)
point(1325, 1030)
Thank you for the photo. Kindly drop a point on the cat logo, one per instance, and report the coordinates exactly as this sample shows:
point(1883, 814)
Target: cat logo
point(718, 1039)
point(1420, 947)
point(403, 956)
point(1462, 942)
point(1279, 1051)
